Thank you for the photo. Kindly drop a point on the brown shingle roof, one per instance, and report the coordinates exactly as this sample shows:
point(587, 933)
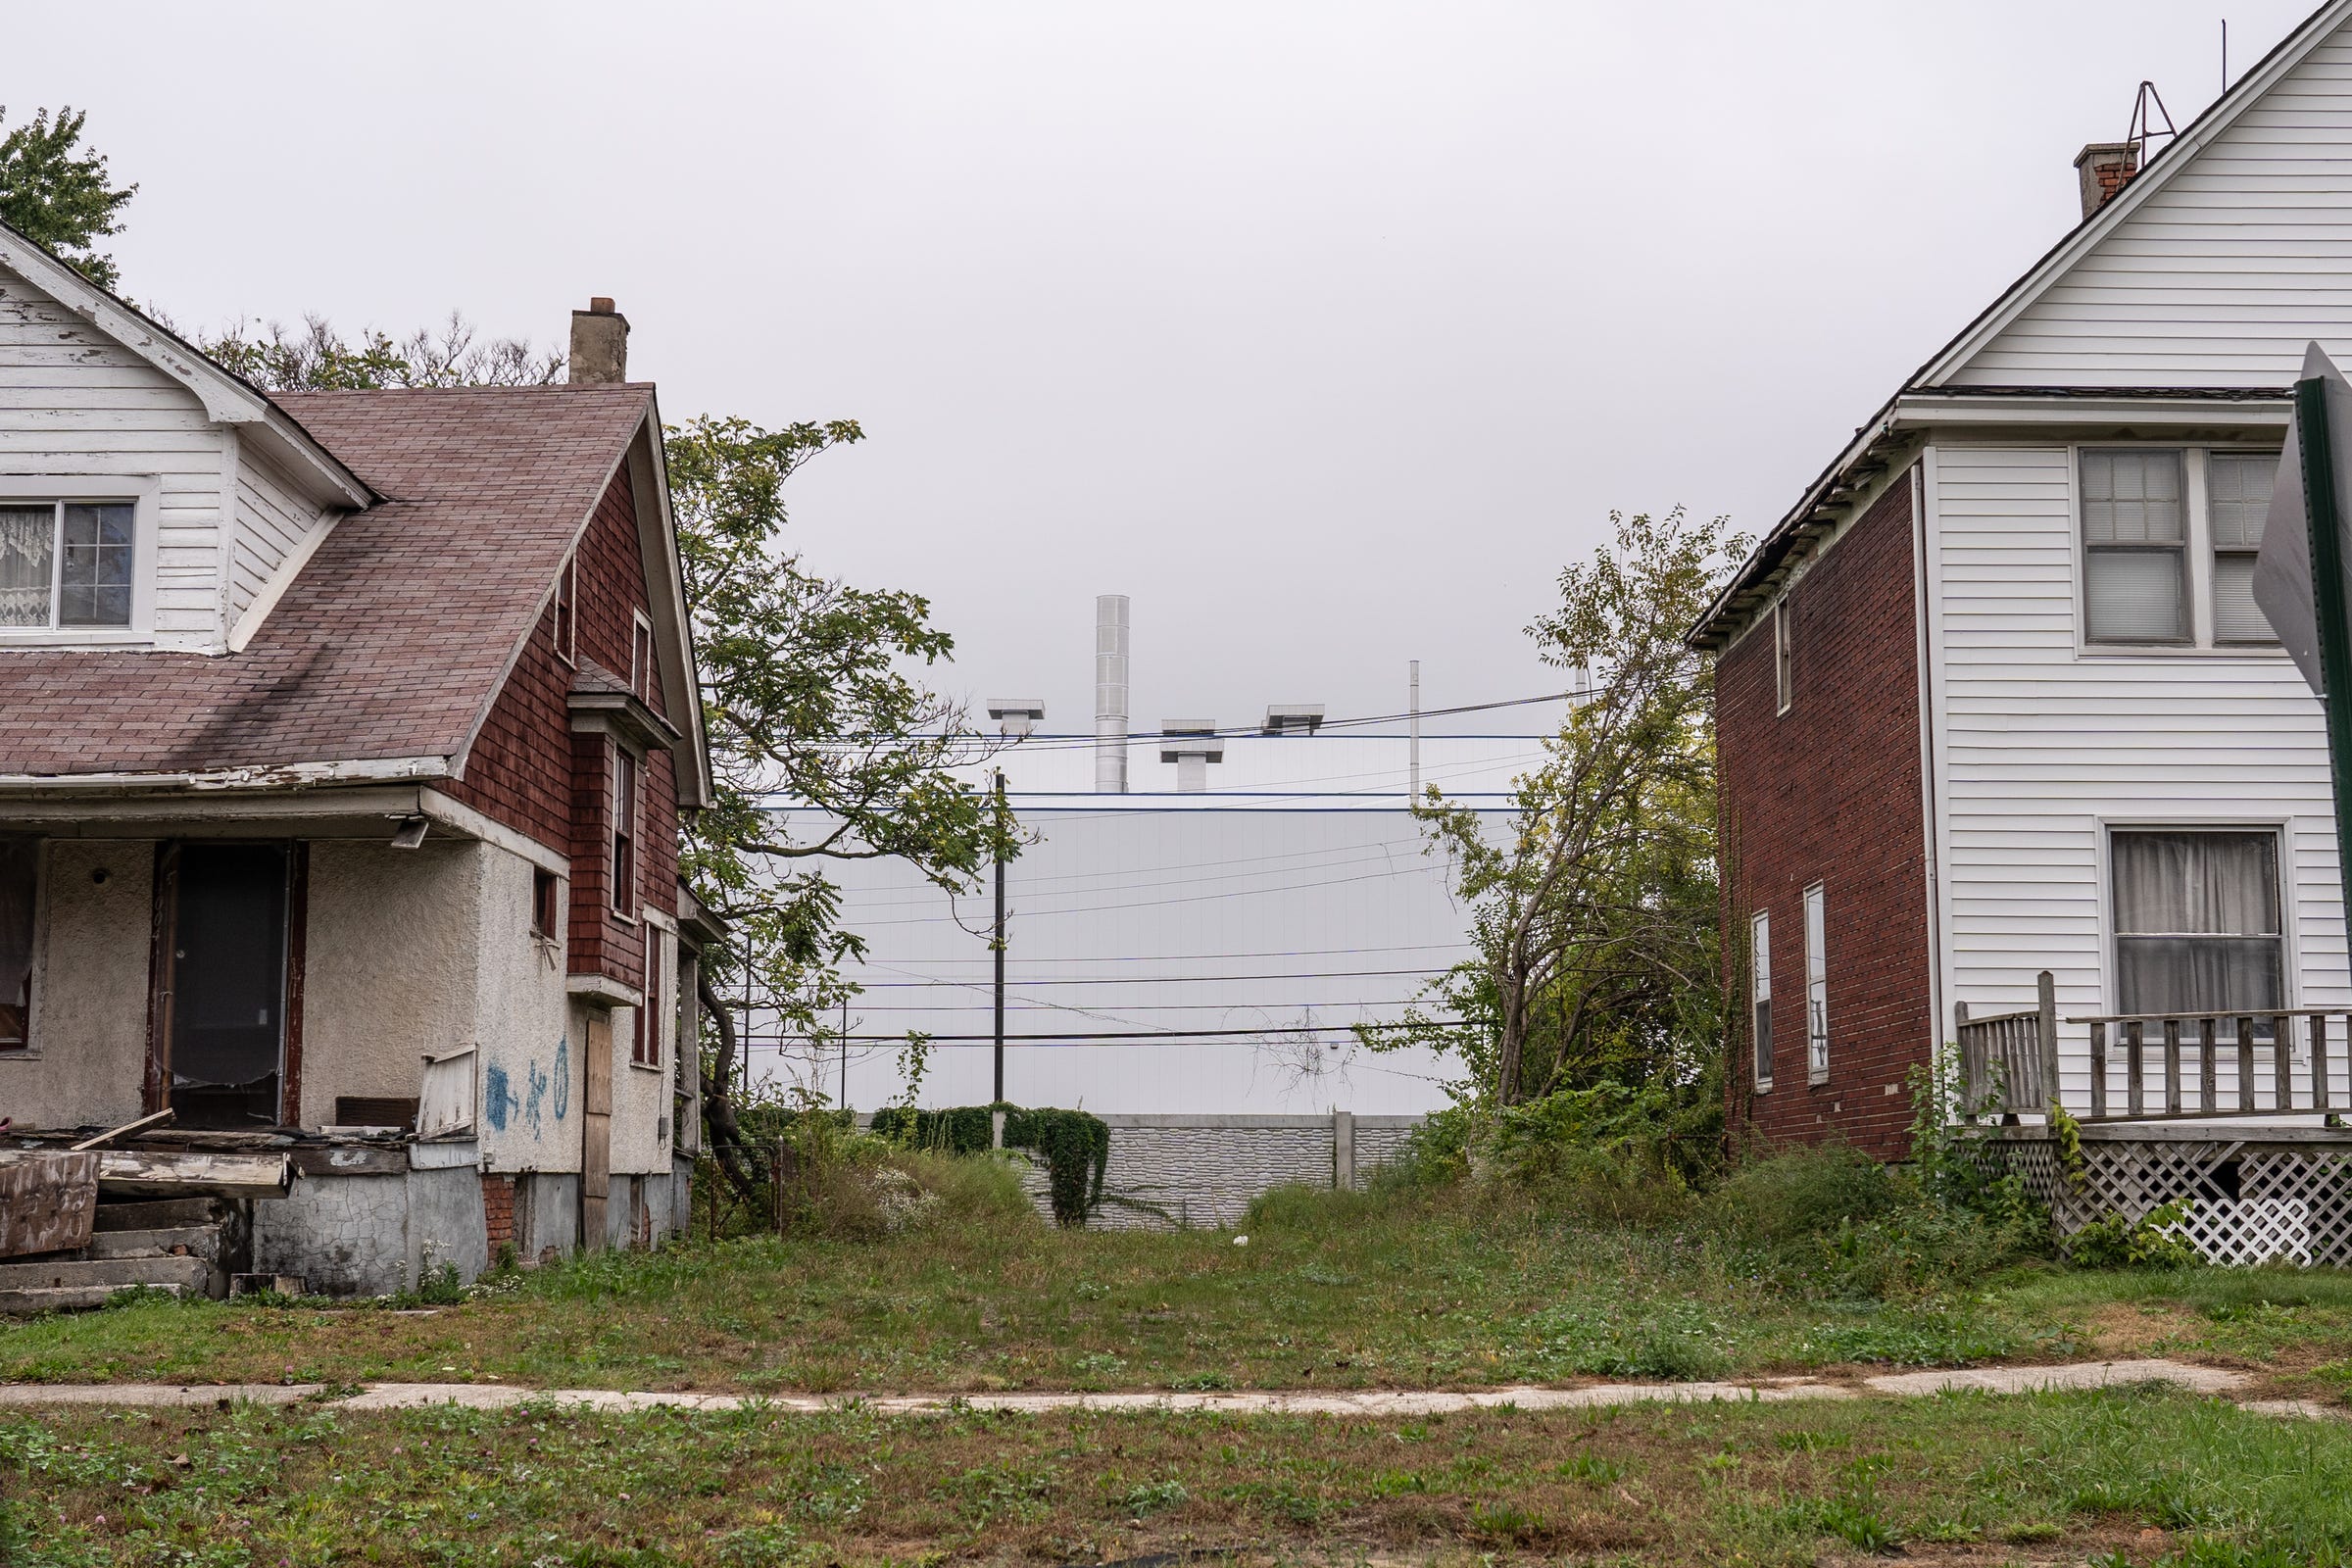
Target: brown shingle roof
point(394, 638)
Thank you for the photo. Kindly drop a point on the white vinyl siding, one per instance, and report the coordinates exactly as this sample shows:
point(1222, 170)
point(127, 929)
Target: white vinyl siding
point(2043, 747)
point(2223, 274)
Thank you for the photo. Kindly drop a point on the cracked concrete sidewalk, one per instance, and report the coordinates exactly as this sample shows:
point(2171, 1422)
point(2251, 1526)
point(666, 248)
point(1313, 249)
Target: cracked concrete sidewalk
point(1369, 1402)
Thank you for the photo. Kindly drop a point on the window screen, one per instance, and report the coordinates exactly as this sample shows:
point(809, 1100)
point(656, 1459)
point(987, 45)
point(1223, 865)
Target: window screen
point(2196, 922)
point(2134, 538)
point(2239, 500)
point(19, 866)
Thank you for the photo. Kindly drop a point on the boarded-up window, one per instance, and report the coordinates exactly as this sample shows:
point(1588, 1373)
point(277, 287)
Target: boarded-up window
point(2239, 500)
point(20, 867)
point(2196, 922)
point(2134, 547)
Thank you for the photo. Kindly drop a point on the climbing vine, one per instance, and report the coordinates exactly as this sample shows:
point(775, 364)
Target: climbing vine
point(1074, 1144)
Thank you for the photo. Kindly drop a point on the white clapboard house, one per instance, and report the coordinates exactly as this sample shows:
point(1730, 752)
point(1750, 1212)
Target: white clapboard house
point(1996, 705)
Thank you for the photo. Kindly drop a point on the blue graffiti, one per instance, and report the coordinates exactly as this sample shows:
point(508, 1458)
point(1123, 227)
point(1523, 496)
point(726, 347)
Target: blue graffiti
point(563, 1076)
point(537, 1097)
point(498, 1099)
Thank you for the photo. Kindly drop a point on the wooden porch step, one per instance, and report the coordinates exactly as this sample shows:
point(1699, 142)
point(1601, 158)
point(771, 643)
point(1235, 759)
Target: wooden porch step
point(25, 1302)
point(184, 1241)
point(187, 1276)
point(160, 1213)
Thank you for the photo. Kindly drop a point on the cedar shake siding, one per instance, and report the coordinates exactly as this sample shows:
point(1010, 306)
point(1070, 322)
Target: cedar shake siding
point(1828, 792)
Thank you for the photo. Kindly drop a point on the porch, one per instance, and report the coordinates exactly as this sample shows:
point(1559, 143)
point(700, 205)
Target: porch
point(2240, 1114)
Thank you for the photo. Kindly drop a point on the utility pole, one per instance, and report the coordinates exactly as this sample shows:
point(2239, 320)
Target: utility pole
point(1412, 744)
point(998, 1098)
point(844, 1052)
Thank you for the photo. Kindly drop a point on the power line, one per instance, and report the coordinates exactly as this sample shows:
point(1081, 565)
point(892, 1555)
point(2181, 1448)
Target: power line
point(1105, 1037)
point(1387, 855)
point(1156, 904)
point(1203, 957)
point(1142, 979)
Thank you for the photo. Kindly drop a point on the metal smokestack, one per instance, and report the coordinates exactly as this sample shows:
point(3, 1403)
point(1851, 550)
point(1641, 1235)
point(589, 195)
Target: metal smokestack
point(1111, 694)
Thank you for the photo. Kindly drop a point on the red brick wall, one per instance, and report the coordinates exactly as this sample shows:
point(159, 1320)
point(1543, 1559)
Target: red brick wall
point(1829, 792)
point(531, 772)
point(498, 1211)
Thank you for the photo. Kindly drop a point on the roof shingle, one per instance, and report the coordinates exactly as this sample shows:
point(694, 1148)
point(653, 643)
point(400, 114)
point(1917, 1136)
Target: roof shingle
point(392, 641)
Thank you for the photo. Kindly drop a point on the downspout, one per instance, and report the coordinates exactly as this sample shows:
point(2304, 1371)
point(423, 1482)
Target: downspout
point(1923, 605)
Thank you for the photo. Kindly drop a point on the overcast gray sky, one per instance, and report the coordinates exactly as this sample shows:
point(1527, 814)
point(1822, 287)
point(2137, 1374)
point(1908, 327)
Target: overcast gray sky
point(1326, 332)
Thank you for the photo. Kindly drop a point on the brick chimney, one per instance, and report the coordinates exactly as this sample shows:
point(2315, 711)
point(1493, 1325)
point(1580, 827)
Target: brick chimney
point(600, 344)
point(2106, 167)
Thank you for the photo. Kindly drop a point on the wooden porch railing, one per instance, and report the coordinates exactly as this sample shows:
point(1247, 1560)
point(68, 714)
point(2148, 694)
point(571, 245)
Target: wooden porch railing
point(2214, 1042)
point(2009, 1061)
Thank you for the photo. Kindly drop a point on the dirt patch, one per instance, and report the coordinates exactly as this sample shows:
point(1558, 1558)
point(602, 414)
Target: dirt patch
point(2140, 1328)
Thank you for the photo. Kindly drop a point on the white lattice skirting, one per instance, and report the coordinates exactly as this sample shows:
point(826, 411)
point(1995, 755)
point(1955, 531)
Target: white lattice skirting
point(2220, 1177)
point(2241, 1232)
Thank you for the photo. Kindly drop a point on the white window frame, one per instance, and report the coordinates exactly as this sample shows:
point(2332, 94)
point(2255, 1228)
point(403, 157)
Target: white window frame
point(1817, 985)
point(640, 636)
point(567, 605)
point(2197, 547)
point(1761, 1044)
point(1784, 660)
point(625, 759)
point(143, 495)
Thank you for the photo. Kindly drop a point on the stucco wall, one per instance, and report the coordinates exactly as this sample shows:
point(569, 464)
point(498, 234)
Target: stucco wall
point(529, 1037)
point(89, 1000)
point(388, 967)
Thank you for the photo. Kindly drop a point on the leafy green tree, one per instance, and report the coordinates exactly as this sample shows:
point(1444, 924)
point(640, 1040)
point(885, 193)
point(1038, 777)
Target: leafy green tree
point(1594, 909)
point(55, 192)
point(810, 702)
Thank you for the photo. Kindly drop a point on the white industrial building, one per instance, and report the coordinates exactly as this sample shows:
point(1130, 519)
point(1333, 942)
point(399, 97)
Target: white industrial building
point(1204, 911)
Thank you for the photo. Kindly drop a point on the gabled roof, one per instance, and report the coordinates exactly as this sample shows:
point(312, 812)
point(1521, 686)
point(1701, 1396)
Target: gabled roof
point(226, 398)
point(384, 654)
point(1848, 476)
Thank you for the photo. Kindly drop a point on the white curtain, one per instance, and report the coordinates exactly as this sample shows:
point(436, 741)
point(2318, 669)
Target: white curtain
point(2196, 922)
point(28, 535)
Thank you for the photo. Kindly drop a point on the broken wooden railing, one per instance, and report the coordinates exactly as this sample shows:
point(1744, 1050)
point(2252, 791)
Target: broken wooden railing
point(2009, 1061)
point(2225, 1065)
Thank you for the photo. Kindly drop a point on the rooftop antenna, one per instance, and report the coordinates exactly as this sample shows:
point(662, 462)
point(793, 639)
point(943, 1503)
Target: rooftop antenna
point(2143, 130)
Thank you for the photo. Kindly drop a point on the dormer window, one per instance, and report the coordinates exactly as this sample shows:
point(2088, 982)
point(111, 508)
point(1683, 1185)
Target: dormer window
point(67, 565)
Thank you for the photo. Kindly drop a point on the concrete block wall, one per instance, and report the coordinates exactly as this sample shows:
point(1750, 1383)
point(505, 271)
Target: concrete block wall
point(1204, 1170)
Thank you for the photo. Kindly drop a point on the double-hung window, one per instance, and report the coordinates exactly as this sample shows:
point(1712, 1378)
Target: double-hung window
point(67, 565)
point(2134, 547)
point(2198, 925)
point(2170, 536)
point(1759, 963)
point(1817, 987)
point(624, 831)
point(2237, 486)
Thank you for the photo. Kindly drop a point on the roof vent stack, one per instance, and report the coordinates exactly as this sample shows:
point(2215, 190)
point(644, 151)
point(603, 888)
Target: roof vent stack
point(1293, 718)
point(600, 344)
point(1111, 694)
point(1192, 744)
point(1016, 716)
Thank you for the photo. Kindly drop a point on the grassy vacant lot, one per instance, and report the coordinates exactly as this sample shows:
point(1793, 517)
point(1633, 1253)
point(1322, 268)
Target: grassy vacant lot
point(1414, 1289)
point(2137, 1477)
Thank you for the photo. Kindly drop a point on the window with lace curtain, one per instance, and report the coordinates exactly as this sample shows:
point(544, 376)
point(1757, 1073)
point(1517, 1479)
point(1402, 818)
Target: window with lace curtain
point(2198, 926)
point(66, 564)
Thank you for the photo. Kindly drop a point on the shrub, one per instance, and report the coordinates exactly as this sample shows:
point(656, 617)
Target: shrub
point(1607, 1152)
point(1074, 1144)
point(2114, 1242)
point(1803, 1192)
